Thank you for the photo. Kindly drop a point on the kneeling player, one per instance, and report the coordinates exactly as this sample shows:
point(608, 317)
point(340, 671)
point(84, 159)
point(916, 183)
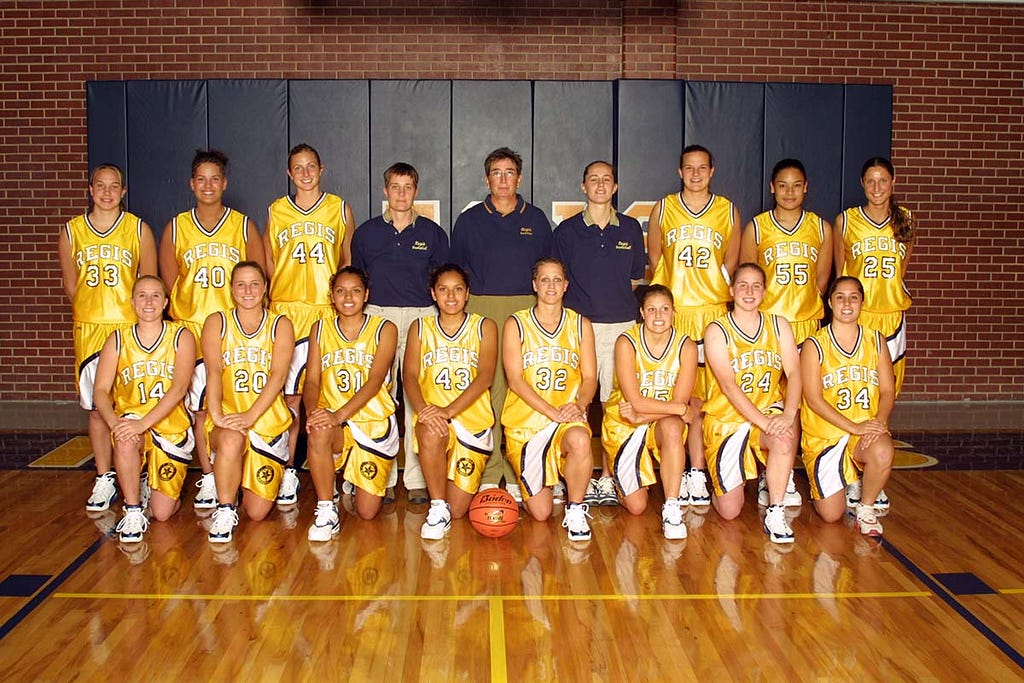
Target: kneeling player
point(749, 352)
point(655, 367)
point(448, 368)
point(247, 351)
point(140, 396)
point(551, 366)
point(849, 391)
point(350, 415)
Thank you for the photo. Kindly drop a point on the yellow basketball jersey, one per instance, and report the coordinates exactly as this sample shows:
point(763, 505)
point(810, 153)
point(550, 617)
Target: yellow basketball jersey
point(790, 259)
point(246, 362)
point(693, 251)
point(145, 374)
point(551, 365)
point(205, 259)
point(656, 374)
point(345, 368)
point(757, 362)
point(306, 247)
point(449, 364)
point(849, 381)
point(107, 263)
point(874, 257)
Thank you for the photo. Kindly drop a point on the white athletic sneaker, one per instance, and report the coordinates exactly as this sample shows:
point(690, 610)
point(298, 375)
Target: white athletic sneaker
point(575, 521)
point(513, 490)
point(790, 499)
point(590, 497)
point(867, 521)
point(288, 493)
point(672, 523)
point(776, 526)
point(882, 501)
point(326, 523)
point(558, 493)
point(439, 521)
point(206, 499)
point(222, 524)
point(853, 495)
point(606, 495)
point(104, 491)
point(696, 483)
point(145, 493)
point(133, 525)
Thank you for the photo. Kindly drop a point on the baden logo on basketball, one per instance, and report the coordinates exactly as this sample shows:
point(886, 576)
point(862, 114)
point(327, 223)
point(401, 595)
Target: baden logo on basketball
point(265, 474)
point(167, 471)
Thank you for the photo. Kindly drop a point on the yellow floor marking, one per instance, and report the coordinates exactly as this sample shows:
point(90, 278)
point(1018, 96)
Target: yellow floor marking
point(490, 598)
point(499, 666)
point(72, 453)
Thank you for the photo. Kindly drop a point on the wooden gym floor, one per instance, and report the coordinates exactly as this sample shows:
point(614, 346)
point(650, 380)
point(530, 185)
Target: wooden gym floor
point(941, 598)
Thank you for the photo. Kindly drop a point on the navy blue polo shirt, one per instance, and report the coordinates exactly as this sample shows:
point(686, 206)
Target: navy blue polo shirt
point(499, 251)
point(399, 262)
point(602, 264)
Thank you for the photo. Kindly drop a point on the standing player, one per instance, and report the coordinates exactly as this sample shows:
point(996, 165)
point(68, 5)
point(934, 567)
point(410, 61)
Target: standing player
point(398, 250)
point(247, 352)
point(449, 365)
point(748, 353)
point(497, 241)
point(849, 390)
point(655, 366)
point(350, 414)
point(141, 382)
point(308, 237)
point(549, 358)
point(198, 250)
point(873, 244)
point(101, 253)
point(604, 252)
point(693, 242)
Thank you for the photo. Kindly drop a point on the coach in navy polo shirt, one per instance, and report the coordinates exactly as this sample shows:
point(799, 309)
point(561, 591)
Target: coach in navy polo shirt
point(604, 251)
point(497, 242)
point(398, 250)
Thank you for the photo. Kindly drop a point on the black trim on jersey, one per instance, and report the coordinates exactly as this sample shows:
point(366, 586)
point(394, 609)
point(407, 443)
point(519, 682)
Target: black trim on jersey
point(558, 328)
point(113, 226)
point(211, 233)
point(700, 213)
point(647, 349)
point(362, 328)
point(160, 337)
point(877, 226)
point(741, 333)
point(780, 226)
point(839, 347)
point(458, 333)
point(306, 212)
point(259, 328)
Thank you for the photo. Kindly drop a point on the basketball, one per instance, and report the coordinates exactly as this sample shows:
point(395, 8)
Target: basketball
point(493, 513)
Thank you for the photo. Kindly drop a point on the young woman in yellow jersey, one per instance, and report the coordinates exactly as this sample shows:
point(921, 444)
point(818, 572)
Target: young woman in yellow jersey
point(198, 250)
point(143, 375)
point(873, 244)
point(307, 238)
point(655, 366)
point(247, 351)
point(693, 243)
point(551, 366)
point(350, 415)
point(101, 253)
point(749, 353)
point(448, 368)
point(794, 247)
point(849, 391)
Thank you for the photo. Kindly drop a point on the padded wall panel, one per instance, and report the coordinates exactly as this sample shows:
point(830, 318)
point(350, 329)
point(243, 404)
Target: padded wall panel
point(805, 121)
point(334, 117)
point(248, 122)
point(728, 119)
point(867, 133)
point(167, 121)
point(650, 137)
point(410, 121)
point(487, 115)
point(107, 125)
point(573, 125)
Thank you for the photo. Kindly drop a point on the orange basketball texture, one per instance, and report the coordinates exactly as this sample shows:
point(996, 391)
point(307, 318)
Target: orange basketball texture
point(493, 513)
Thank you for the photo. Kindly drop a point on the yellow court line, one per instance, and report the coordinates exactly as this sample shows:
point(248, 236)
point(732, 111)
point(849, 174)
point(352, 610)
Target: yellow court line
point(72, 453)
point(1009, 591)
point(499, 666)
point(490, 598)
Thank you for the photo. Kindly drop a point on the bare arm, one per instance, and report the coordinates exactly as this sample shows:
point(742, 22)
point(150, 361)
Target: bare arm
point(838, 245)
point(732, 249)
point(103, 386)
point(210, 341)
point(748, 247)
point(68, 269)
point(654, 237)
point(316, 418)
point(268, 250)
point(346, 241)
point(147, 252)
point(825, 255)
point(168, 259)
point(254, 249)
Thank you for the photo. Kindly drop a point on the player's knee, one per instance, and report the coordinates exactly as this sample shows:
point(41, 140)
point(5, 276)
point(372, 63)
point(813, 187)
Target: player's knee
point(671, 428)
point(830, 515)
point(636, 505)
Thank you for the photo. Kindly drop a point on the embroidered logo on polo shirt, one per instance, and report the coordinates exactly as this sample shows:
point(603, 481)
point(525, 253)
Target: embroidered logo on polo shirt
point(419, 246)
point(624, 245)
point(526, 230)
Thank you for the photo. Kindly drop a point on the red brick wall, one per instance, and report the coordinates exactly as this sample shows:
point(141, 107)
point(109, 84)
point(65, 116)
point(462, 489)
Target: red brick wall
point(958, 72)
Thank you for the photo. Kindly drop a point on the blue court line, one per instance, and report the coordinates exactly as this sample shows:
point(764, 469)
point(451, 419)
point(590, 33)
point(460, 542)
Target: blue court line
point(955, 604)
point(49, 588)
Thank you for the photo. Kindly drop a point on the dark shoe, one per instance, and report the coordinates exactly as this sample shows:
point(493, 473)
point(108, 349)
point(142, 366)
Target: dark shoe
point(418, 496)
